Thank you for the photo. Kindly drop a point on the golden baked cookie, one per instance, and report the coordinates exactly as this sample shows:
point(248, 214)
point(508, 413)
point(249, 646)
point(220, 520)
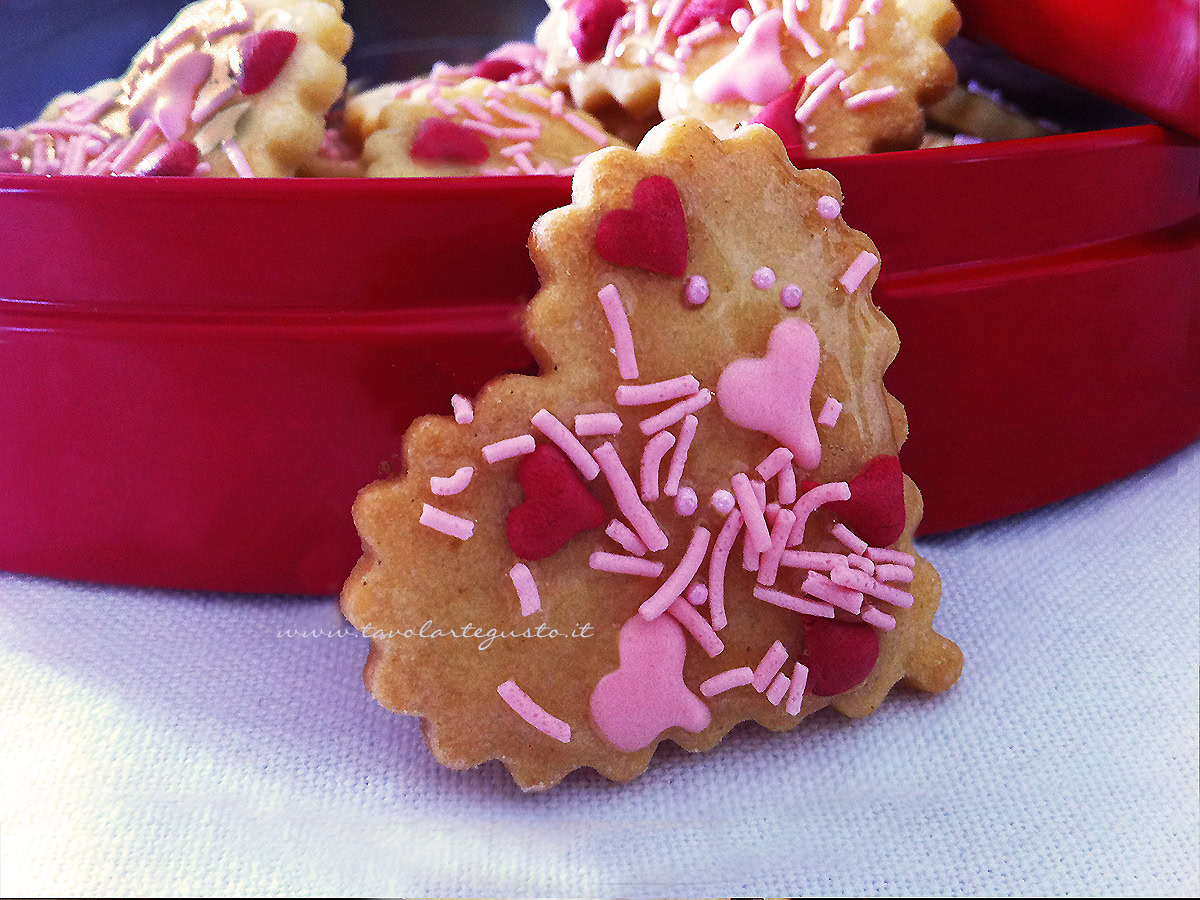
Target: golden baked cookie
point(481, 127)
point(230, 87)
point(693, 517)
point(836, 77)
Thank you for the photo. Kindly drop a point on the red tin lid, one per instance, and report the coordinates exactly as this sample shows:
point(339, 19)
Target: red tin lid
point(1144, 54)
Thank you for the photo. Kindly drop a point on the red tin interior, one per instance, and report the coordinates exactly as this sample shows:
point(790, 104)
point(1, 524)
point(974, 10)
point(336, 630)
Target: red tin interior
point(197, 376)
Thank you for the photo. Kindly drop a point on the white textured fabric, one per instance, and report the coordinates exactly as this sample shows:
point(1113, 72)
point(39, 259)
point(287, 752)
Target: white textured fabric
point(165, 743)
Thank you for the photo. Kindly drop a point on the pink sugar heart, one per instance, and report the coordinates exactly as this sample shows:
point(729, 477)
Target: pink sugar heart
point(773, 394)
point(440, 140)
point(651, 236)
point(646, 694)
point(263, 55)
point(701, 12)
point(172, 158)
point(780, 116)
point(591, 23)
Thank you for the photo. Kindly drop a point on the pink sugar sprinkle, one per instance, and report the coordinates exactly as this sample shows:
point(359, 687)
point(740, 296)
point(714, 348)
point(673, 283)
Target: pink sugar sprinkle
point(858, 33)
point(873, 6)
point(821, 73)
point(591, 424)
point(752, 512)
point(696, 36)
point(849, 539)
point(454, 484)
point(858, 271)
point(527, 591)
point(768, 568)
point(750, 557)
point(830, 413)
point(524, 707)
point(464, 412)
point(678, 581)
point(529, 121)
point(856, 580)
point(835, 14)
point(652, 454)
point(817, 585)
point(811, 45)
point(866, 98)
point(786, 491)
point(884, 555)
point(475, 110)
point(697, 286)
point(892, 572)
point(807, 504)
point(740, 20)
point(545, 422)
point(828, 207)
point(138, 143)
point(557, 103)
point(669, 62)
point(796, 690)
point(817, 97)
point(615, 37)
point(775, 462)
point(758, 7)
point(780, 685)
point(513, 149)
point(723, 502)
point(763, 278)
point(231, 28)
point(446, 523)
point(673, 414)
point(716, 567)
point(624, 565)
point(687, 434)
point(446, 107)
point(641, 17)
point(697, 626)
point(728, 679)
point(627, 498)
point(523, 163)
point(697, 594)
point(769, 666)
point(666, 23)
point(806, 559)
point(771, 513)
point(597, 137)
point(686, 502)
point(878, 618)
point(791, 296)
point(855, 561)
point(509, 447)
point(204, 109)
point(623, 535)
point(618, 322)
point(658, 392)
point(237, 158)
point(795, 604)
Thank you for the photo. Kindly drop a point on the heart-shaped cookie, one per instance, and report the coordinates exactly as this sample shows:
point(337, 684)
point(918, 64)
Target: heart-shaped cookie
point(651, 236)
point(557, 505)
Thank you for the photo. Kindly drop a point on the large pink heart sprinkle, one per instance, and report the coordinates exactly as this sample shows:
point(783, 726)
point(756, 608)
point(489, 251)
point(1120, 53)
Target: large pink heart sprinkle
point(263, 55)
point(780, 116)
point(651, 236)
point(440, 140)
point(646, 695)
point(774, 394)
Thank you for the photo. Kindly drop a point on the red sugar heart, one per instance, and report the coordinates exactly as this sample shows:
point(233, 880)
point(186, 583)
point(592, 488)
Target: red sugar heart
point(591, 23)
point(440, 140)
point(557, 505)
point(701, 12)
point(875, 510)
point(10, 163)
point(651, 236)
point(496, 69)
point(263, 54)
point(839, 655)
point(780, 116)
point(173, 158)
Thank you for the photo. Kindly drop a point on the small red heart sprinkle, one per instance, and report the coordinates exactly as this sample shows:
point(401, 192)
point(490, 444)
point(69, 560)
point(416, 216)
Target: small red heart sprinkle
point(262, 56)
point(496, 69)
point(701, 12)
point(780, 116)
point(875, 510)
point(173, 158)
point(440, 140)
point(651, 236)
point(557, 505)
point(839, 655)
point(591, 23)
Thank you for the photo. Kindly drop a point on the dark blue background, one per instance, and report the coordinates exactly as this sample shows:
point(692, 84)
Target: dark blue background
point(51, 46)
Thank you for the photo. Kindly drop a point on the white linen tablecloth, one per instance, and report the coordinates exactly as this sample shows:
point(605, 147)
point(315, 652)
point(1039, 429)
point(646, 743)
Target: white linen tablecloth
point(169, 743)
